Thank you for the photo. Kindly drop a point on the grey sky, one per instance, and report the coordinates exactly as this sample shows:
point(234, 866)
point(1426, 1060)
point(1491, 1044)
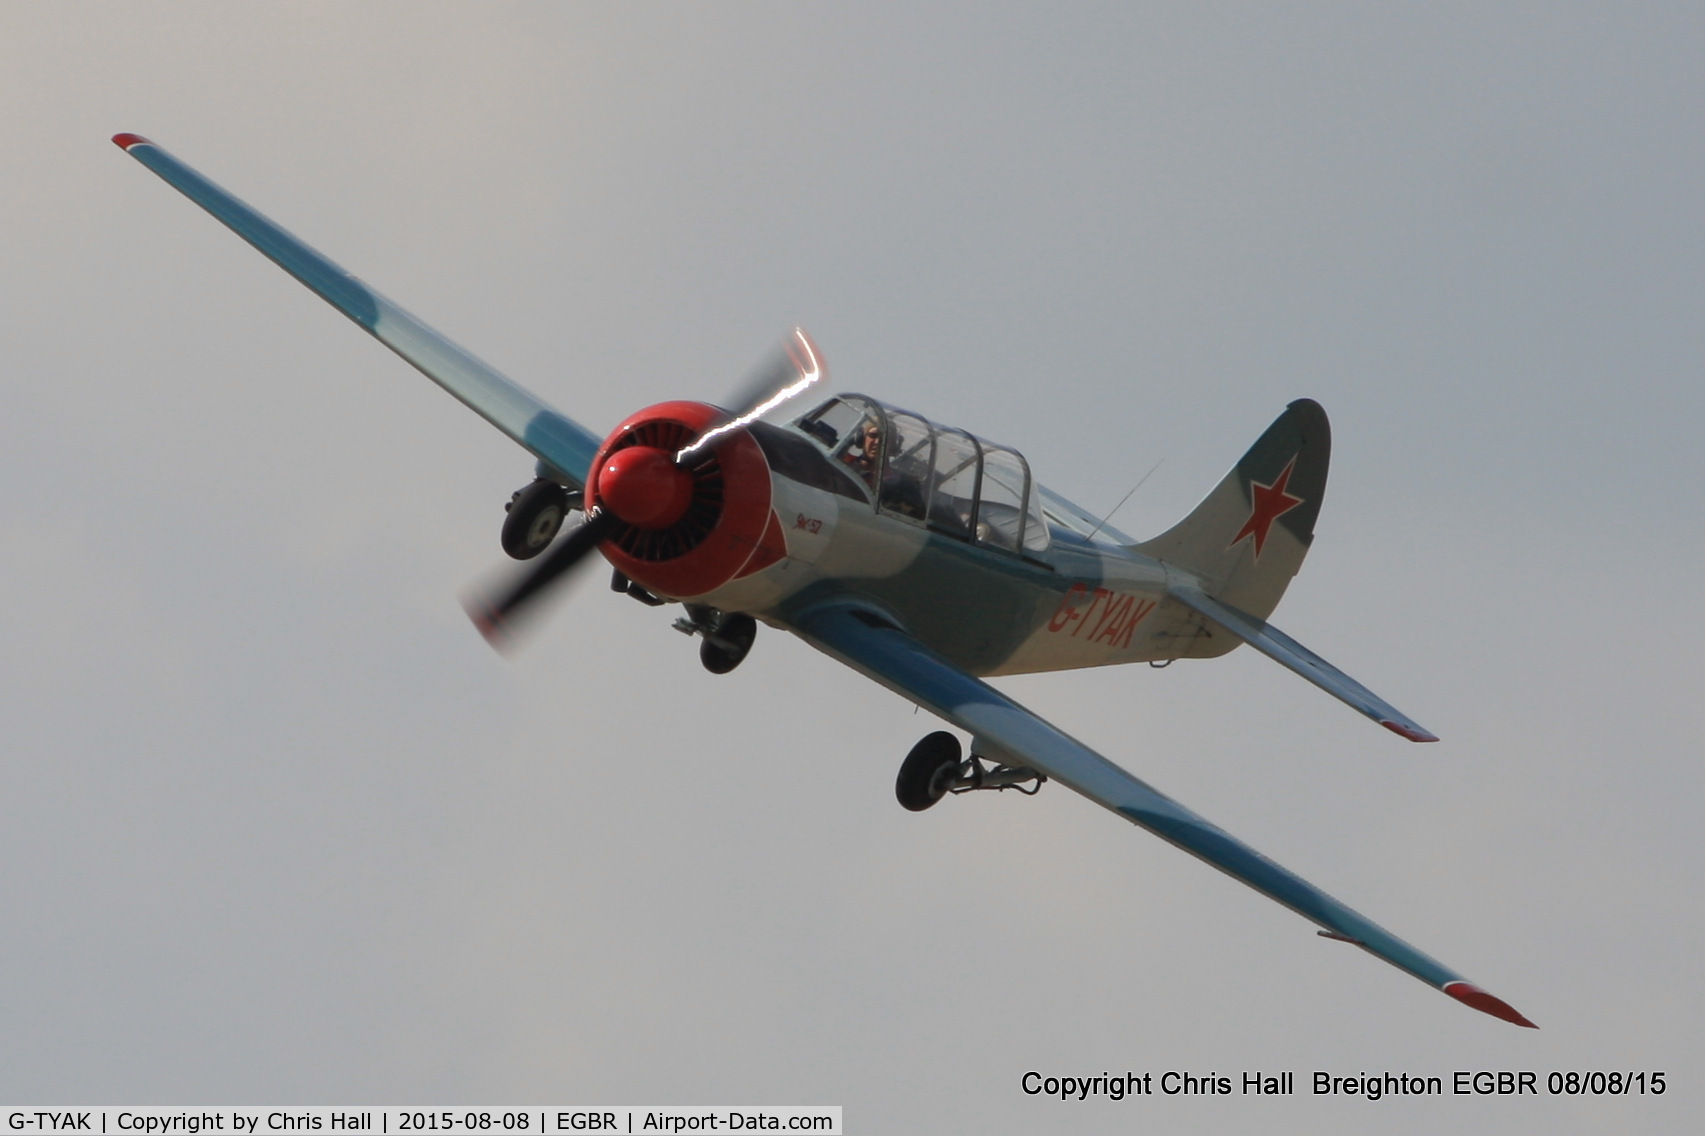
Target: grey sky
point(276, 827)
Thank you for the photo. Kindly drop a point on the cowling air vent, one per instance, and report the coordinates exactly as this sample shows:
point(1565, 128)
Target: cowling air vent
point(703, 510)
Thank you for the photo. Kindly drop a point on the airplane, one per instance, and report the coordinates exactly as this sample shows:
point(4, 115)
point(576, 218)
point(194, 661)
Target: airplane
point(920, 555)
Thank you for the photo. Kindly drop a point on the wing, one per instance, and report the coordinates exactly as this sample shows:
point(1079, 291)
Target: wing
point(867, 641)
point(1281, 648)
point(564, 446)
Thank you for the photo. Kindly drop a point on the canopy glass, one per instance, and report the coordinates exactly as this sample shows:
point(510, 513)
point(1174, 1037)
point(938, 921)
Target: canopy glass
point(948, 480)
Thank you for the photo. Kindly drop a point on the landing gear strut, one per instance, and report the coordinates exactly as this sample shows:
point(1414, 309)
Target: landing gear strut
point(619, 582)
point(933, 769)
point(535, 516)
point(727, 636)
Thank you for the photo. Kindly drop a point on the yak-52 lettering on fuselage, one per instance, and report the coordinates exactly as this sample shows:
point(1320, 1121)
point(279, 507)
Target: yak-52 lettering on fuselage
point(921, 555)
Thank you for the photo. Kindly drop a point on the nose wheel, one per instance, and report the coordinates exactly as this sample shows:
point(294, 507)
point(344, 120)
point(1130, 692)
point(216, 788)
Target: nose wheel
point(535, 517)
point(933, 769)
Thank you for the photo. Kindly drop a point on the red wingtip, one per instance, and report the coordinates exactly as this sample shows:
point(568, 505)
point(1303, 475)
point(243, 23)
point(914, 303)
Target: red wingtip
point(1402, 731)
point(126, 141)
point(1471, 995)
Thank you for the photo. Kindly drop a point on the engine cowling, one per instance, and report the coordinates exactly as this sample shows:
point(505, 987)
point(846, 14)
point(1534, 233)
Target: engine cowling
point(681, 532)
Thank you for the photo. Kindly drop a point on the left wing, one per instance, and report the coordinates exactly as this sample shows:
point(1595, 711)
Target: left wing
point(564, 446)
point(866, 640)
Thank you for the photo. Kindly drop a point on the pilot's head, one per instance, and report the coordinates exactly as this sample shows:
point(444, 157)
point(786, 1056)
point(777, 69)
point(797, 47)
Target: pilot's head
point(870, 440)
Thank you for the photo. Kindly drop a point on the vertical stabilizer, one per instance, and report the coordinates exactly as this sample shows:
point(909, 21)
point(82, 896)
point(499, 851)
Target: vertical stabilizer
point(1248, 537)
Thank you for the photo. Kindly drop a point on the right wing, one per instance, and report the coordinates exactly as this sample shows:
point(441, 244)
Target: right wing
point(564, 446)
point(868, 642)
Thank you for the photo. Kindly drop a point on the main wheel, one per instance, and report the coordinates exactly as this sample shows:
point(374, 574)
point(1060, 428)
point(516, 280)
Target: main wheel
point(535, 516)
point(928, 771)
point(737, 632)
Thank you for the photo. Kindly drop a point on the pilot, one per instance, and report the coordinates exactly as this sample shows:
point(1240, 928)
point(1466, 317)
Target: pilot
point(866, 454)
point(901, 491)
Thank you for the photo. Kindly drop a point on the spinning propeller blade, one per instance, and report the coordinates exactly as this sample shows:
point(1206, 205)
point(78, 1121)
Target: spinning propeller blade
point(792, 368)
point(496, 616)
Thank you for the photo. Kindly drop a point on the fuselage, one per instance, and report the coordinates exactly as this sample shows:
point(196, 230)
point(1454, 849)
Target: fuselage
point(942, 533)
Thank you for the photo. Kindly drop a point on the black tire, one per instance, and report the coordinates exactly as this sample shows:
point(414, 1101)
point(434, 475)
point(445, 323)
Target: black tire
point(922, 780)
point(739, 632)
point(535, 517)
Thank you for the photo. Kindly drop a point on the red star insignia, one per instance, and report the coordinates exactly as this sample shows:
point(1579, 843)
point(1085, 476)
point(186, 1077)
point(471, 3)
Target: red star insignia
point(1271, 503)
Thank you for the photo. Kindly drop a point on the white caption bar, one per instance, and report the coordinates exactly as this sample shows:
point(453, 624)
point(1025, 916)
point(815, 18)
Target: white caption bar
point(371, 1120)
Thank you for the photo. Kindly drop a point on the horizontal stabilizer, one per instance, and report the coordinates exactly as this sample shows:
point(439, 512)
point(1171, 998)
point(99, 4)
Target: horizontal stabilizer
point(1276, 645)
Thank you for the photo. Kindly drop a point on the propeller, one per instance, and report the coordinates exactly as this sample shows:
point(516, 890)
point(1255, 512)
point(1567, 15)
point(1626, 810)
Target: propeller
point(789, 370)
point(495, 615)
point(646, 486)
